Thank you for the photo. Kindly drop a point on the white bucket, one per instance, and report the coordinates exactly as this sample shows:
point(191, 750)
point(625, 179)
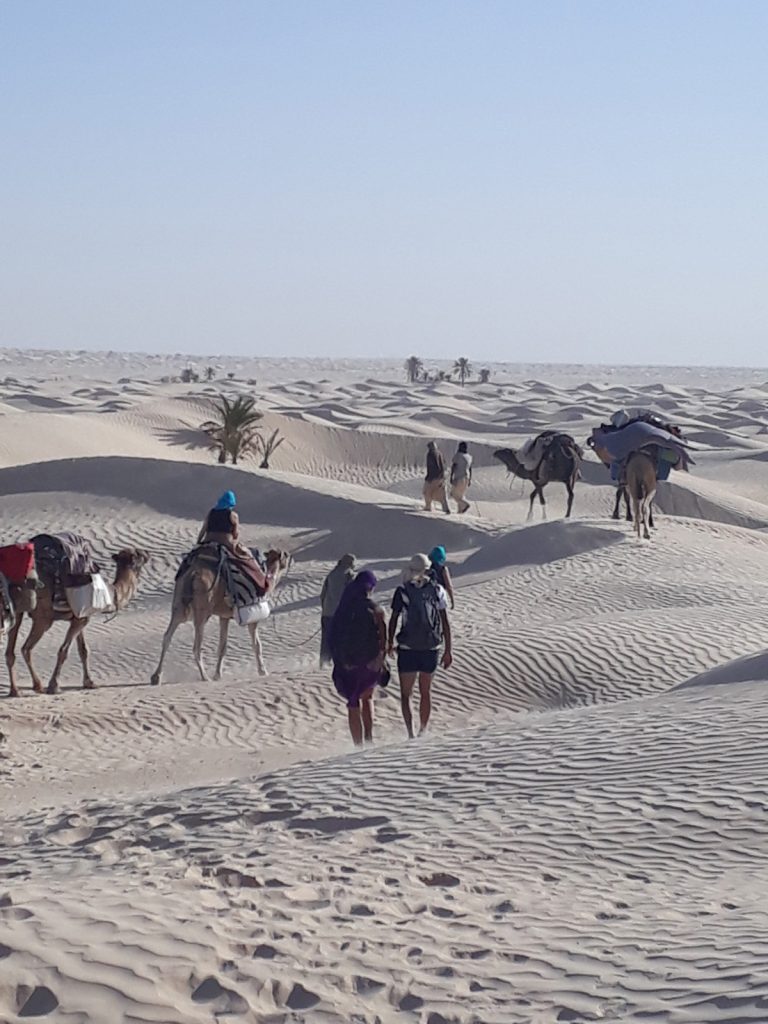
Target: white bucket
point(91, 598)
point(252, 613)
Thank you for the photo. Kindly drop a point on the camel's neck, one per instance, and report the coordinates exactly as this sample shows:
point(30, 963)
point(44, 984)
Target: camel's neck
point(124, 587)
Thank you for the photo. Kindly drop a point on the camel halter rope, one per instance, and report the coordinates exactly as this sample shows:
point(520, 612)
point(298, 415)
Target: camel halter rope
point(301, 643)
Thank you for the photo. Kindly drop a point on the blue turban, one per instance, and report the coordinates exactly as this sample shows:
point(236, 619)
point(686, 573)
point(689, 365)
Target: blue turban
point(227, 500)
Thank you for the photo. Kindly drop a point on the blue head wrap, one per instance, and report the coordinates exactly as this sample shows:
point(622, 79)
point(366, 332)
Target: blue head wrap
point(437, 555)
point(227, 500)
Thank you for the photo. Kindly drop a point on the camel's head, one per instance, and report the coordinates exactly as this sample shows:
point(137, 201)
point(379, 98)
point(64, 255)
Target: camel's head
point(278, 562)
point(131, 558)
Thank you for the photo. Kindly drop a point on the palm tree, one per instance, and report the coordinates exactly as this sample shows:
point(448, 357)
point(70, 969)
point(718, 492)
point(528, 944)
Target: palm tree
point(233, 433)
point(210, 373)
point(269, 446)
point(189, 376)
point(413, 367)
point(462, 368)
point(485, 375)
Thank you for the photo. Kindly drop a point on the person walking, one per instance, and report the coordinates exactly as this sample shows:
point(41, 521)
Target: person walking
point(434, 483)
point(438, 567)
point(330, 595)
point(358, 642)
point(419, 606)
point(461, 476)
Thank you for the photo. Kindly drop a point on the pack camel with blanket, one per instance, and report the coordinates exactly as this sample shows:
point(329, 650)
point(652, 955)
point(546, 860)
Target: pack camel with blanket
point(614, 445)
point(245, 579)
point(19, 581)
point(66, 565)
point(535, 449)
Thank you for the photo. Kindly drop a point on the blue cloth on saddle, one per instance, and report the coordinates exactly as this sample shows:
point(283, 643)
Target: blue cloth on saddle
point(619, 444)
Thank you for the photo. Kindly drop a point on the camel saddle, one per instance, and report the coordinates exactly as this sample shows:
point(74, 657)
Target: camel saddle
point(63, 560)
point(243, 577)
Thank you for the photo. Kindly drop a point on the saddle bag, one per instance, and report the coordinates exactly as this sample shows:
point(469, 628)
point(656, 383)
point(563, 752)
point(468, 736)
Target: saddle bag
point(247, 615)
point(89, 598)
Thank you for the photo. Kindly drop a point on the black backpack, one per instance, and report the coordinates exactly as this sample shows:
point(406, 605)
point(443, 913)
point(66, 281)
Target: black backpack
point(355, 635)
point(423, 626)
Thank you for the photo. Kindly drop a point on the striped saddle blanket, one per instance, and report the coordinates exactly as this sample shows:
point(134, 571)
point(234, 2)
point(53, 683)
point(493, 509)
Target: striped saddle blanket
point(242, 577)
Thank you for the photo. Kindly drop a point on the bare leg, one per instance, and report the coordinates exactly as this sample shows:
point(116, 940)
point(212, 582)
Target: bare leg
point(425, 700)
point(176, 621)
point(39, 629)
point(355, 725)
point(76, 626)
point(223, 630)
point(10, 654)
point(256, 643)
point(82, 650)
point(407, 680)
point(366, 713)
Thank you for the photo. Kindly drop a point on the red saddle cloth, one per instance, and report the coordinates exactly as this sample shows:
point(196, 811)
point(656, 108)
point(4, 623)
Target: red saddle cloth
point(17, 561)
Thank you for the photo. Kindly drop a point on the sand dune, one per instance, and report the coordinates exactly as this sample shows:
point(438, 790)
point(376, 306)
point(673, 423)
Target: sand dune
point(580, 838)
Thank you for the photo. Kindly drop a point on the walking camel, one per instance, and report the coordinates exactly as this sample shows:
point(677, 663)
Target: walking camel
point(561, 463)
point(200, 594)
point(128, 565)
point(641, 486)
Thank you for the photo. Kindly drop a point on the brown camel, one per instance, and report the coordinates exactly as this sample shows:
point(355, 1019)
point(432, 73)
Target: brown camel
point(198, 595)
point(561, 464)
point(129, 563)
point(641, 485)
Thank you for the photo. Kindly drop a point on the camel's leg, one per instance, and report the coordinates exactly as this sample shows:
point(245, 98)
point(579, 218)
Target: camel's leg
point(76, 627)
point(256, 641)
point(10, 654)
point(534, 492)
point(82, 650)
point(223, 630)
point(201, 617)
point(650, 514)
point(176, 621)
point(628, 510)
point(39, 629)
point(569, 489)
point(619, 491)
point(542, 502)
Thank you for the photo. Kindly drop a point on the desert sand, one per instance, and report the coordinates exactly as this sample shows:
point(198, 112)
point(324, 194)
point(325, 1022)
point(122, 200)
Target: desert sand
point(583, 834)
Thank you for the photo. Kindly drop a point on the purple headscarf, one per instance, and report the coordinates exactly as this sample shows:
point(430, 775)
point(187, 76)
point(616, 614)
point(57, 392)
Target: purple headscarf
point(358, 589)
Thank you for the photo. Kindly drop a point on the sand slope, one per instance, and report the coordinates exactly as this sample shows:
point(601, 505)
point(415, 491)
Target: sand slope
point(580, 838)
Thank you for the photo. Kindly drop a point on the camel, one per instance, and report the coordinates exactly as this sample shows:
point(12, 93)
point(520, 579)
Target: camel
point(198, 595)
point(641, 485)
point(128, 565)
point(561, 464)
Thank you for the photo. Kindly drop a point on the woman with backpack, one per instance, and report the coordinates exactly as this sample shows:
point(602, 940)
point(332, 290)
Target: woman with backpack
point(419, 605)
point(438, 561)
point(358, 642)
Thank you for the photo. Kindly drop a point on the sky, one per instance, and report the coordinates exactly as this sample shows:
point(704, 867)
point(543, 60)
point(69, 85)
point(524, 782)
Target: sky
point(569, 181)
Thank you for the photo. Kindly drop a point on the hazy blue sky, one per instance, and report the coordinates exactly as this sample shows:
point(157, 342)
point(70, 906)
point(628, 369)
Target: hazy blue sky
point(572, 181)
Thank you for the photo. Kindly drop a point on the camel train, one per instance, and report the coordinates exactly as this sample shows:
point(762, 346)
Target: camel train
point(54, 578)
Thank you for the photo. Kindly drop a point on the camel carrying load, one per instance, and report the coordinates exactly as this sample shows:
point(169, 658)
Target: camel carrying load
point(55, 579)
point(639, 448)
point(215, 580)
point(550, 457)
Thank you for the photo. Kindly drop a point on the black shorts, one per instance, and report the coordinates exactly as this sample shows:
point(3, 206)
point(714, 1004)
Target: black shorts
point(409, 662)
